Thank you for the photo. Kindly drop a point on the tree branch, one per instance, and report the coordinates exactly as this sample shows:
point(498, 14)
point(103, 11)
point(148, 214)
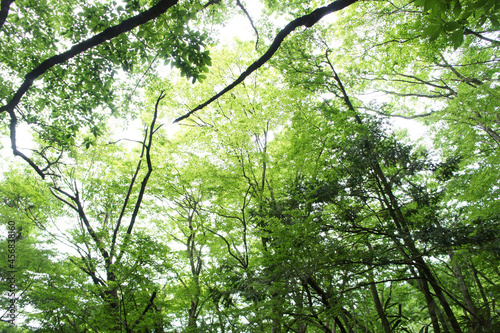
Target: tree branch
point(149, 163)
point(473, 82)
point(307, 21)
point(145, 180)
point(239, 4)
point(127, 198)
point(161, 7)
point(88, 226)
point(382, 113)
point(4, 11)
point(467, 31)
point(52, 189)
point(15, 151)
point(150, 304)
point(242, 262)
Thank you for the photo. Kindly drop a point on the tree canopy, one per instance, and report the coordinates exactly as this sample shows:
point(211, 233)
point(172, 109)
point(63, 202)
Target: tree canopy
point(163, 179)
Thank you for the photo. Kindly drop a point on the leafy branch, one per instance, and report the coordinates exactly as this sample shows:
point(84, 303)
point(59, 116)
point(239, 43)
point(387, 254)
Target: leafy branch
point(161, 7)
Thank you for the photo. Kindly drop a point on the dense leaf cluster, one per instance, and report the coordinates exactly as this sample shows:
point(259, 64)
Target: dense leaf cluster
point(284, 200)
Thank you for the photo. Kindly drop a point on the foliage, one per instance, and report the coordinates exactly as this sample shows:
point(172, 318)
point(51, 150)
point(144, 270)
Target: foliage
point(283, 199)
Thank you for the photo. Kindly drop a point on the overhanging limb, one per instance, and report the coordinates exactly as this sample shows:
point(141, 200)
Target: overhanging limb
point(307, 21)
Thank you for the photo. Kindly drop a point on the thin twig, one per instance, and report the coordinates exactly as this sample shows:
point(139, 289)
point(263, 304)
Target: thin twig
point(239, 4)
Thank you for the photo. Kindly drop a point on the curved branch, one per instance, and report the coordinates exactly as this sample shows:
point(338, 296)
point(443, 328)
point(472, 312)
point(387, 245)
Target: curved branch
point(239, 4)
point(307, 21)
point(16, 152)
point(161, 7)
point(242, 262)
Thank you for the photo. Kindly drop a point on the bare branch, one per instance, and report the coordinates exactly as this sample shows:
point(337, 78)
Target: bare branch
point(239, 4)
point(435, 95)
point(385, 114)
point(142, 77)
point(13, 124)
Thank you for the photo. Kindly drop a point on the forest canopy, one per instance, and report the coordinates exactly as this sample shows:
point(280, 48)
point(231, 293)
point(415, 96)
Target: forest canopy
point(331, 166)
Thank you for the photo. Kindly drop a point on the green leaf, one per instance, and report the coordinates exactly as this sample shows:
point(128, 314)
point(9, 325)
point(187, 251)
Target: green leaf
point(457, 8)
point(427, 5)
point(451, 26)
point(494, 22)
point(457, 39)
point(432, 32)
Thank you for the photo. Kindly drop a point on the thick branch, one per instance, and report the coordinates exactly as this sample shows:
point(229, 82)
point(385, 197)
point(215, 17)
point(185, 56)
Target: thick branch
point(4, 11)
point(467, 31)
point(150, 304)
point(307, 21)
point(150, 166)
point(239, 4)
point(161, 7)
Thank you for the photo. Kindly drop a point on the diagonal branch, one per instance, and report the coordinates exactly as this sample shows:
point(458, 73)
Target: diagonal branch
point(239, 4)
point(146, 309)
point(243, 262)
point(95, 237)
point(78, 207)
point(127, 198)
point(467, 31)
point(145, 180)
point(149, 163)
point(161, 7)
point(473, 82)
point(4, 11)
point(307, 21)
point(58, 197)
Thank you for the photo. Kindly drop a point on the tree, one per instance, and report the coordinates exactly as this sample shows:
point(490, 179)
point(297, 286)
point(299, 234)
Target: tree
point(285, 202)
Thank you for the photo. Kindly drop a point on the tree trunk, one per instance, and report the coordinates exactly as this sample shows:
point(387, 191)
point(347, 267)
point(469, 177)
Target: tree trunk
point(376, 300)
point(392, 205)
point(471, 308)
point(193, 316)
